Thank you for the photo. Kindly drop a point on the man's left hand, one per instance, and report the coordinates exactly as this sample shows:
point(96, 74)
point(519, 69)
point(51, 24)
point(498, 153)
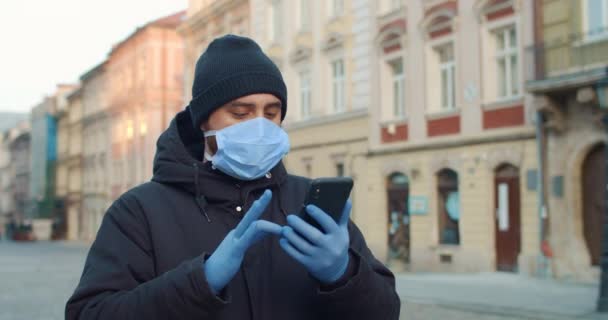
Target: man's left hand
point(323, 253)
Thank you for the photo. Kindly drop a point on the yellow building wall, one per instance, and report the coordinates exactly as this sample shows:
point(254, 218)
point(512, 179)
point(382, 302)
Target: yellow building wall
point(325, 145)
point(475, 166)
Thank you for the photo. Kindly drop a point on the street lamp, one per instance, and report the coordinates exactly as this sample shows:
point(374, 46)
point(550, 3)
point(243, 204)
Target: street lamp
point(602, 301)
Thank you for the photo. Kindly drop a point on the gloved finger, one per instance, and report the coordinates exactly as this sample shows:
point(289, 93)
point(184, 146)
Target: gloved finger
point(346, 213)
point(297, 241)
point(257, 230)
point(293, 252)
point(254, 213)
point(310, 233)
point(326, 221)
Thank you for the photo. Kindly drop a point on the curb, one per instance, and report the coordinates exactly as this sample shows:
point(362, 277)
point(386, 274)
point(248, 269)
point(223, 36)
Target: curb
point(502, 311)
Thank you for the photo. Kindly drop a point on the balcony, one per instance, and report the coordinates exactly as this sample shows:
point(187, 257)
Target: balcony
point(567, 62)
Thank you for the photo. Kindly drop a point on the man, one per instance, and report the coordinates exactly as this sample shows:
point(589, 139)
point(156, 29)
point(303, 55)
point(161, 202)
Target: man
point(194, 243)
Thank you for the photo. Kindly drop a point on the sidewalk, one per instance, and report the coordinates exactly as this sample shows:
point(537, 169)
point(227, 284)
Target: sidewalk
point(502, 294)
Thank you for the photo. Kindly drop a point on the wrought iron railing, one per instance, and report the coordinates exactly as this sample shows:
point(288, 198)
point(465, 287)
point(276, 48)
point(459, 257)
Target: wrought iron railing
point(567, 55)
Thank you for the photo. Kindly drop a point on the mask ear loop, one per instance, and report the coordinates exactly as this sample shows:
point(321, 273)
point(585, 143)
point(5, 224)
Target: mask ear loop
point(207, 134)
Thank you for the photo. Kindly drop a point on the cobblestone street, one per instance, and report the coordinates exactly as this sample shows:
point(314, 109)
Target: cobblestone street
point(37, 278)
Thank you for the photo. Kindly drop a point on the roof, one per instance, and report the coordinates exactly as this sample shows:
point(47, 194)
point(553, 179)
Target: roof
point(92, 72)
point(168, 22)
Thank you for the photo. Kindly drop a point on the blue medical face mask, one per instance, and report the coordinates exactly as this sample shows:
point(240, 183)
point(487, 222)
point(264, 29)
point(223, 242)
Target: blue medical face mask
point(248, 150)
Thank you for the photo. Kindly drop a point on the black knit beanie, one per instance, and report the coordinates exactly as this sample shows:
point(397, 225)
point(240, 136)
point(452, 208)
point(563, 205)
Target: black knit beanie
point(232, 67)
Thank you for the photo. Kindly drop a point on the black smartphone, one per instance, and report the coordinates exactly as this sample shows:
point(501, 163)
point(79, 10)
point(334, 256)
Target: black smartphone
point(330, 195)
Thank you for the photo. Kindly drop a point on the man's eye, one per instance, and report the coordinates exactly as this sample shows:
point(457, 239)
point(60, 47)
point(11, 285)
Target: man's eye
point(239, 114)
point(271, 115)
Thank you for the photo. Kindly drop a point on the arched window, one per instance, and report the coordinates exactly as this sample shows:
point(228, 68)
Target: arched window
point(448, 206)
point(398, 216)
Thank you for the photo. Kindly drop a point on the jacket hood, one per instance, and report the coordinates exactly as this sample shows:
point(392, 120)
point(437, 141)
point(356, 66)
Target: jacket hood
point(178, 163)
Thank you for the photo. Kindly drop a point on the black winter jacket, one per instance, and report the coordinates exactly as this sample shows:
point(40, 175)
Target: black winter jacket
point(147, 260)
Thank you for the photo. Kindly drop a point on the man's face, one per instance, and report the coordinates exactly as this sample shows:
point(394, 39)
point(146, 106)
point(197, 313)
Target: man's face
point(242, 109)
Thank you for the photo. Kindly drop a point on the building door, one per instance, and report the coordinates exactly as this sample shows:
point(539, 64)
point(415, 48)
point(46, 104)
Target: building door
point(594, 205)
point(398, 217)
point(507, 217)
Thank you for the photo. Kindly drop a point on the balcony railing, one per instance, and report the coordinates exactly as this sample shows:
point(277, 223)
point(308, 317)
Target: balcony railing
point(567, 55)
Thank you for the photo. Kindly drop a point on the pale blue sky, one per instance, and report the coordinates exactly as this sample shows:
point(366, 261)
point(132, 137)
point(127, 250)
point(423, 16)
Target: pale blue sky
point(45, 42)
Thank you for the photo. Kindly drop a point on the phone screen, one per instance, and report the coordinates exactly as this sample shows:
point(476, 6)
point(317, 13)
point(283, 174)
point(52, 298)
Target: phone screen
point(330, 195)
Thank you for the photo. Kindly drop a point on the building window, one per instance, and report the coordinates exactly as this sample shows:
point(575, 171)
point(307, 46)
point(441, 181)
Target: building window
point(340, 169)
point(337, 8)
point(308, 168)
point(596, 17)
point(507, 62)
point(398, 80)
point(276, 20)
point(396, 4)
point(337, 67)
point(129, 130)
point(449, 207)
point(304, 15)
point(305, 94)
point(446, 68)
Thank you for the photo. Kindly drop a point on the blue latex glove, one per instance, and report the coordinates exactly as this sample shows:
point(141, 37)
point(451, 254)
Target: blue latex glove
point(226, 260)
point(323, 254)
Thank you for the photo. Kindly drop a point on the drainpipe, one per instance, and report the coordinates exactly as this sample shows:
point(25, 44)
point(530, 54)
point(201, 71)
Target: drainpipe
point(539, 73)
point(541, 265)
point(602, 300)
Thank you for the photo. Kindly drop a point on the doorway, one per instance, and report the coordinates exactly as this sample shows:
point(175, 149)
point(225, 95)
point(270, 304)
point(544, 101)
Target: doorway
point(594, 205)
point(398, 217)
point(507, 217)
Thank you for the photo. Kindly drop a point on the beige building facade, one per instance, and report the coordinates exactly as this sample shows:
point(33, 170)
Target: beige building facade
point(72, 164)
point(569, 81)
point(362, 104)
point(144, 88)
point(382, 91)
point(95, 134)
point(452, 162)
point(206, 20)
point(425, 104)
point(322, 49)
point(109, 125)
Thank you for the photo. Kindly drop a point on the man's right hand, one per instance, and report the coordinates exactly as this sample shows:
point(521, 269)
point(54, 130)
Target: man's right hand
point(223, 264)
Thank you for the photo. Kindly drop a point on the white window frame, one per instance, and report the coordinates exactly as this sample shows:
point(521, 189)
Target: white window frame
point(433, 82)
point(589, 36)
point(338, 86)
point(275, 20)
point(305, 78)
point(396, 5)
point(509, 51)
point(304, 16)
point(336, 8)
point(449, 67)
point(398, 88)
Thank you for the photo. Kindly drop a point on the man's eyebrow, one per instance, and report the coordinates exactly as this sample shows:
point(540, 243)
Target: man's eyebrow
point(250, 104)
point(273, 104)
point(242, 104)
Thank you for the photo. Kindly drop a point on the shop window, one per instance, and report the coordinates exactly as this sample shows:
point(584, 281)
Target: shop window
point(449, 207)
point(398, 216)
